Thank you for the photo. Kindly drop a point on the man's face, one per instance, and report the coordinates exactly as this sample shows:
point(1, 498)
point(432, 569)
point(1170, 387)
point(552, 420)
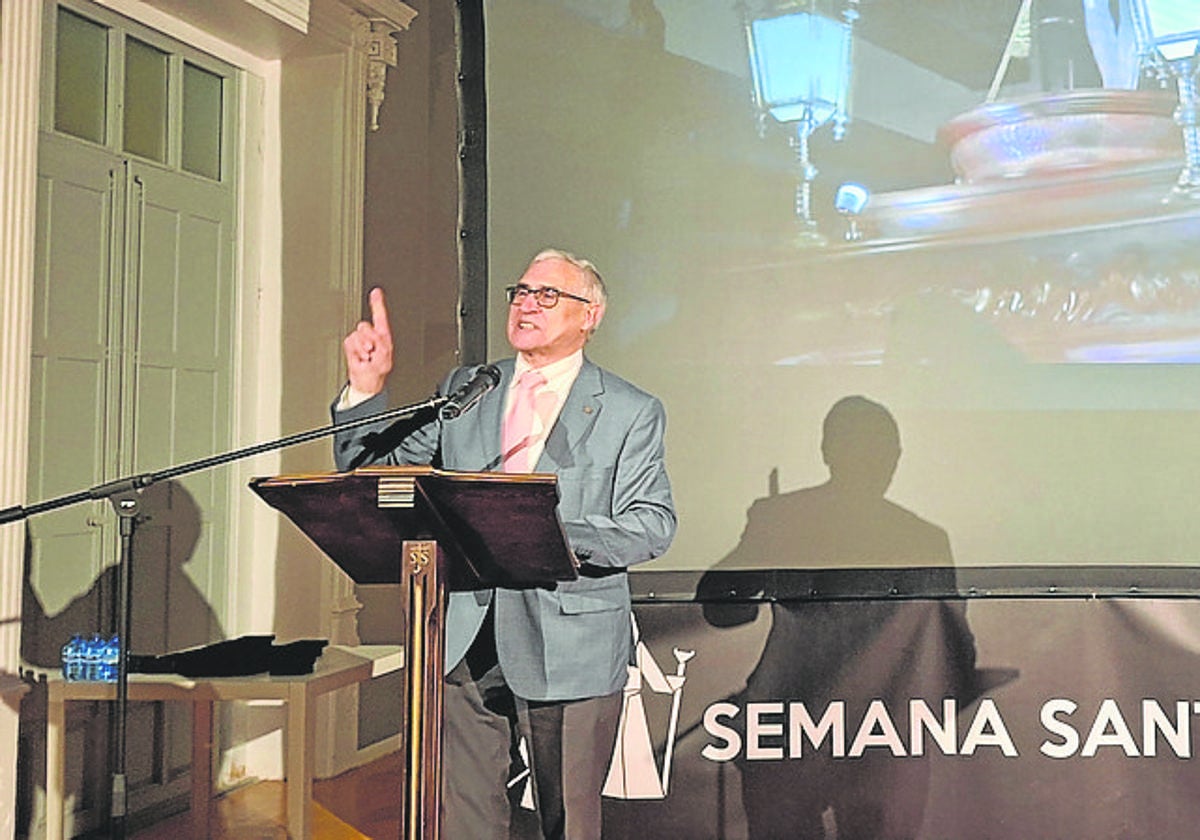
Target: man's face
point(545, 335)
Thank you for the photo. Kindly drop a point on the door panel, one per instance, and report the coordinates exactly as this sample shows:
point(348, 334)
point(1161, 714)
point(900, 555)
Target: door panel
point(183, 372)
point(72, 439)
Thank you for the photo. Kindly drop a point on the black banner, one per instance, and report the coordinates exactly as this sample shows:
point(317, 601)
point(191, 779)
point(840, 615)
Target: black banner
point(946, 719)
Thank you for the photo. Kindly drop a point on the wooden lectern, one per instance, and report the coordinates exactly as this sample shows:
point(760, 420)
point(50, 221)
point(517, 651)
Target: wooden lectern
point(433, 532)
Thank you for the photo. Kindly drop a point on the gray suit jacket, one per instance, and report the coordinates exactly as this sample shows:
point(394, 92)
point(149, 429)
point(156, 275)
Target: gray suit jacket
point(615, 504)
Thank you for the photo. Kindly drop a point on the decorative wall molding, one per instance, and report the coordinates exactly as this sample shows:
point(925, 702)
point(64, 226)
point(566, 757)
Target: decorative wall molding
point(292, 12)
point(384, 19)
point(369, 27)
point(381, 54)
point(396, 14)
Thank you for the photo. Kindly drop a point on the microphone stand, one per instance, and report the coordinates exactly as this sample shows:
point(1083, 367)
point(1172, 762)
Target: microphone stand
point(123, 494)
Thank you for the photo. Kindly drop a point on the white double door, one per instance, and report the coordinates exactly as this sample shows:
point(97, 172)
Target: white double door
point(132, 366)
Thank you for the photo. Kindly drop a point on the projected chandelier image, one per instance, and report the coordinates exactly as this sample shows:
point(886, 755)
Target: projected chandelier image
point(1083, 179)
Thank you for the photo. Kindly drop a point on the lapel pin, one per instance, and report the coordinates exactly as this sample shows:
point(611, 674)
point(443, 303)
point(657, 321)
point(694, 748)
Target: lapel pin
point(587, 409)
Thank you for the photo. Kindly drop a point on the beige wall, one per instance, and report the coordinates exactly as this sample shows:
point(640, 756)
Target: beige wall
point(410, 249)
point(411, 215)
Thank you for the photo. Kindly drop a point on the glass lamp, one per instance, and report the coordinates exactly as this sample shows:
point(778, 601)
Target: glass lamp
point(849, 201)
point(800, 62)
point(1168, 34)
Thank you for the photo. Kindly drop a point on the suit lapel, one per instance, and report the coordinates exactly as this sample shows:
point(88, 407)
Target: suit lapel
point(579, 413)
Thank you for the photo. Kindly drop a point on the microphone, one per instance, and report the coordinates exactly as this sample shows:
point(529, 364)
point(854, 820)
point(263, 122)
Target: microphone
point(471, 392)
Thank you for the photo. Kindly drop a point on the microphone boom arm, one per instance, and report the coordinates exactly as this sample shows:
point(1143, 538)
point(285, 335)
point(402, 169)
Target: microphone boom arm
point(134, 483)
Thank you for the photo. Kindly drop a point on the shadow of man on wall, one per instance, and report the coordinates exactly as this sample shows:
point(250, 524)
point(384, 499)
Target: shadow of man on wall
point(168, 612)
point(857, 587)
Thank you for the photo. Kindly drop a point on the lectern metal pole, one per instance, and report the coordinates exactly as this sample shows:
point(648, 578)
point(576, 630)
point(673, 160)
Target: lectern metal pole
point(423, 584)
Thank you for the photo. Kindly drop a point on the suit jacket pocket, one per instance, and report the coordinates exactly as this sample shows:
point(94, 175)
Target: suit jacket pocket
point(593, 595)
point(584, 490)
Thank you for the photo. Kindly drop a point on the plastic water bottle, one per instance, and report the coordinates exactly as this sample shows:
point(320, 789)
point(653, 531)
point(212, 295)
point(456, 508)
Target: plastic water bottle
point(66, 657)
point(92, 652)
point(110, 659)
point(72, 659)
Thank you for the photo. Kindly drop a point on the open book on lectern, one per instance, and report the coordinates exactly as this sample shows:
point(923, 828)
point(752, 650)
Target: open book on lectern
point(495, 529)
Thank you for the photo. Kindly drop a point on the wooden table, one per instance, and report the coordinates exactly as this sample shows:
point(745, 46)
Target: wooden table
point(336, 668)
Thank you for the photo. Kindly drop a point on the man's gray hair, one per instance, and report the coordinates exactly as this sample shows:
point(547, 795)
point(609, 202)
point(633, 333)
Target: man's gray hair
point(596, 288)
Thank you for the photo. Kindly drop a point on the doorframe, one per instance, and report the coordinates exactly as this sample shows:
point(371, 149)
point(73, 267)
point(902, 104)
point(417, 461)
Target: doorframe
point(20, 83)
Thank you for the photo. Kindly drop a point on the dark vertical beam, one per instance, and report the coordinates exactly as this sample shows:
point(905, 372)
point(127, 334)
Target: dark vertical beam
point(472, 156)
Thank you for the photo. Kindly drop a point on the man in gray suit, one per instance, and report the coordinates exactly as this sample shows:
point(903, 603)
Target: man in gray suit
point(549, 664)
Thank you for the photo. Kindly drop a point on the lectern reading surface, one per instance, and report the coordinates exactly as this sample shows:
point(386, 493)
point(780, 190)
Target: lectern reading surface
point(500, 529)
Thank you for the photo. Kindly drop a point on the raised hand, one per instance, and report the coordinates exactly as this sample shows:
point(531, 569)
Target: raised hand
point(369, 349)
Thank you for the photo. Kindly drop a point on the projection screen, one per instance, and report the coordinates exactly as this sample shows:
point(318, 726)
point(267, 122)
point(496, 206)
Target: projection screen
point(1024, 299)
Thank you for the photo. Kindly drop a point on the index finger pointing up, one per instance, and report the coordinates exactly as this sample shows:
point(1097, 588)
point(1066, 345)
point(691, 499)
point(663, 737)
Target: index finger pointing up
point(379, 313)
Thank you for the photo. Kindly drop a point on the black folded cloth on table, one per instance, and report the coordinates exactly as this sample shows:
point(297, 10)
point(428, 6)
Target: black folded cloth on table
point(241, 657)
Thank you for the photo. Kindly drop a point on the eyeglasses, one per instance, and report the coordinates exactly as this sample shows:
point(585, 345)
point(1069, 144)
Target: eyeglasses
point(547, 296)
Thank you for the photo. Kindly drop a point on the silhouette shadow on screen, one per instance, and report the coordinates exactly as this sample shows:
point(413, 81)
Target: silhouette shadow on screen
point(863, 608)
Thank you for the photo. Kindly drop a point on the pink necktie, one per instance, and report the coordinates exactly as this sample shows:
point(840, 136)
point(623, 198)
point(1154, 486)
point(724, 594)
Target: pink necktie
point(518, 425)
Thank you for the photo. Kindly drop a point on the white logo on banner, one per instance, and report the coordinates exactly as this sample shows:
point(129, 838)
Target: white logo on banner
point(633, 773)
point(524, 776)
